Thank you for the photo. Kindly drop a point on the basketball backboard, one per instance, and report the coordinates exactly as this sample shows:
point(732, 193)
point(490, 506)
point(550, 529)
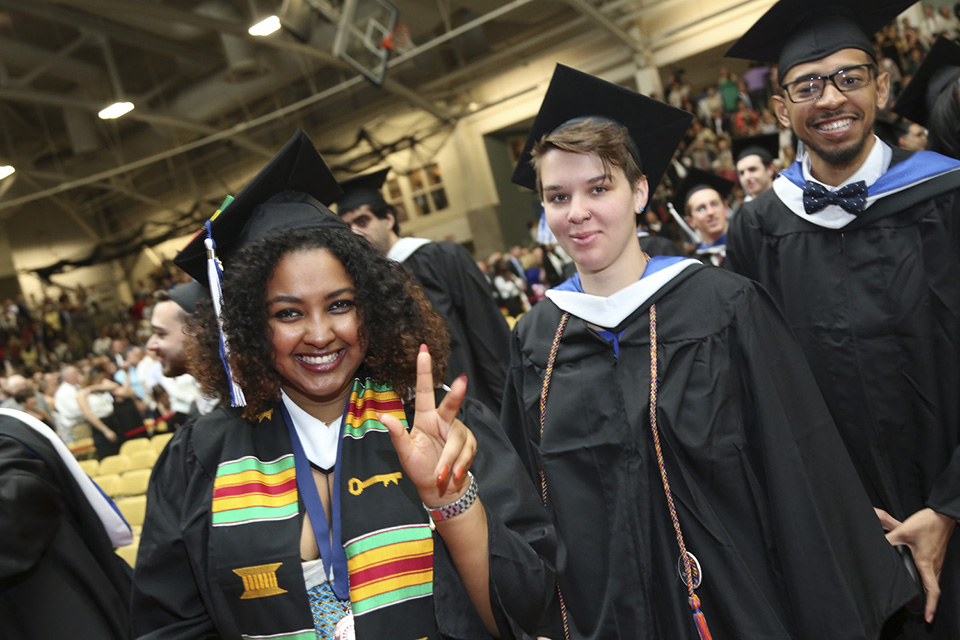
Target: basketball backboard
point(364, 24)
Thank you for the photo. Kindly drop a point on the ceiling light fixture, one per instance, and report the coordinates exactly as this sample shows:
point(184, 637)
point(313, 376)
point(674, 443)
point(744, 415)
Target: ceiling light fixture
point(115, 110)
point(6, 171)
point(265, 27)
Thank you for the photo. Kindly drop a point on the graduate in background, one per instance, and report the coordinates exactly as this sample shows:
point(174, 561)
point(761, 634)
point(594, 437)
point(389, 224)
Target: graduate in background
point(755, 168)
point(680, 442)
point(859, 245)
point(932, 99)
point(451, 280)
point(701, 196)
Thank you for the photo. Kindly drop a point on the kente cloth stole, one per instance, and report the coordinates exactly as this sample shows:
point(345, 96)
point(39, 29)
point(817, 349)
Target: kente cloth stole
point(385, 531)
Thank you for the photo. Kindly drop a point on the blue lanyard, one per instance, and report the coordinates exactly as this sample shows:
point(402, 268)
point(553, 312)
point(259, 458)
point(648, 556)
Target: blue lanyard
point(332, 555)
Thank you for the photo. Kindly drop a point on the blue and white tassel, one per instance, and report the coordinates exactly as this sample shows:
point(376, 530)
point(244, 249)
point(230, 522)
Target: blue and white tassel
point(215, 276)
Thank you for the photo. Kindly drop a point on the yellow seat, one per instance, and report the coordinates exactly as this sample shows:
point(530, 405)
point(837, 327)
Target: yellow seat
point(137, 444)
point(134, 483)
point(83, 448)
point(114, 464)
point(109, 483)
point(159, 441)
point(142, 459)
point(129, 552)
point(90, 467)
point(133, 509)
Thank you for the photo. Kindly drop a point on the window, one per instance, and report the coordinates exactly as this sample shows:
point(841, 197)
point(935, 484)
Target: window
point(426, 189)
point(394, 197)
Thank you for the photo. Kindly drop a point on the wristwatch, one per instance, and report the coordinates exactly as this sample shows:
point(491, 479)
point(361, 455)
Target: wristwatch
point(464, 502)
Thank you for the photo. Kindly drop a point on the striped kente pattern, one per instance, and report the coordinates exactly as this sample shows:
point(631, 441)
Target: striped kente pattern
point(390, 566)
point(366, 400)
point(306, 634)
point(250, 490)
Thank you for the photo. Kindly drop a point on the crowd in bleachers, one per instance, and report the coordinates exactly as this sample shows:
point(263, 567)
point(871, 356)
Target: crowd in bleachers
point(71, 364)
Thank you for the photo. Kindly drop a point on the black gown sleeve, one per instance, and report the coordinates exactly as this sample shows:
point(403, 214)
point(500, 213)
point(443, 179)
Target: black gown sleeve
point(814, 491)
point(743, 243)
point(167, 601)
point(945, 495)
point(521, 541)
point(30, 508)
point(479, 333)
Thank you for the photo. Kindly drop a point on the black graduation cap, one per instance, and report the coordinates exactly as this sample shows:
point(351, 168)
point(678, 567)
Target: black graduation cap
point(766, 145)
point(363, 190)
point(290, 192)
point(939, 69)
point(697, 180)
point(655, 128)
point(793, 32)
point(887, 127)
point(187, 295)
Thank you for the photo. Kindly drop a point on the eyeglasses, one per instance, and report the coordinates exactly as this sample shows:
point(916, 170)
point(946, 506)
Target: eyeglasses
point(849, 79)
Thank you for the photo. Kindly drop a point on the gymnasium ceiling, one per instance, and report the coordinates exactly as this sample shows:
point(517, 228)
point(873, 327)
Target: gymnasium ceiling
point(211, 99)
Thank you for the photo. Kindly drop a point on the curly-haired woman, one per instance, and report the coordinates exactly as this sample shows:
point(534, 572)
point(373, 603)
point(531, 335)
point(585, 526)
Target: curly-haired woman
point(306, 514)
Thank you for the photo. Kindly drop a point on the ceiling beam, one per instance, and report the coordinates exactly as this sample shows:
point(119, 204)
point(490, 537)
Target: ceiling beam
point(181, 16)
point(114, 30)
point(31, 96)
point(43, 62)
point(609, 25)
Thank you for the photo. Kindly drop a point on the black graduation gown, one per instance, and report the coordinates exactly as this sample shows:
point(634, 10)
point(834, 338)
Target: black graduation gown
point(479, 335)
point(876, 308)
point(59, 575)
point(766, 495)
point(184, 583)
point(659, 246)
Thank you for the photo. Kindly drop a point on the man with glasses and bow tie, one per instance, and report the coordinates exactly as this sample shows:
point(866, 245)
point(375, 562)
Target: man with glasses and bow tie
point(859, 244)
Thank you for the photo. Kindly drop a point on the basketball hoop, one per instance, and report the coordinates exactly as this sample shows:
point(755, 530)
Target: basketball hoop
point(398, 42)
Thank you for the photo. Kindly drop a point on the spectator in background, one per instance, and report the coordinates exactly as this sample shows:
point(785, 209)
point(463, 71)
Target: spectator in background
point(510, 288)
point(101, 346)
point(729, 90)
point(745, 120)
point(950, 22)
point(712, 101)
point(108, 408)
point(911, 136)
point(755, 80)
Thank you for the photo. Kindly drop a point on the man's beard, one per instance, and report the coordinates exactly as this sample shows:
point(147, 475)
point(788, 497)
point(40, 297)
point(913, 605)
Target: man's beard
point(841, 156)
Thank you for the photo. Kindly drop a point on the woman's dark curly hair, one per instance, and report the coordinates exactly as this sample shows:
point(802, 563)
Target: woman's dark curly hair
point(395, 317)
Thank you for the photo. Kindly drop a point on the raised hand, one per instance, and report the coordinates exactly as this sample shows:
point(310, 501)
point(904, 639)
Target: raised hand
point(437, 452)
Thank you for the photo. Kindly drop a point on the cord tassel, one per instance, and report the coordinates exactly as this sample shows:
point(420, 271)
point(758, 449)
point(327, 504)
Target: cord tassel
point(215, 276)
point(699, 619)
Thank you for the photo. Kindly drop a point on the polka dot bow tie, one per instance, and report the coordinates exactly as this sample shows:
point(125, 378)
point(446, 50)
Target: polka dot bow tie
point(852, 198)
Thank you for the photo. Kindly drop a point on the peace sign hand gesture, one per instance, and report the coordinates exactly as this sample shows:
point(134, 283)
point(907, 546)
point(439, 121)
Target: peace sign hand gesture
point(438, 441)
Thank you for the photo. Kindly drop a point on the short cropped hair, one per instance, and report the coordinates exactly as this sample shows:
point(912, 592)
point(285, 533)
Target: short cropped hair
point(608, 140)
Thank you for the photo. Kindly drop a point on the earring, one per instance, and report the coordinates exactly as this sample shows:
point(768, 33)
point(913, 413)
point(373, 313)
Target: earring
point(641, 210)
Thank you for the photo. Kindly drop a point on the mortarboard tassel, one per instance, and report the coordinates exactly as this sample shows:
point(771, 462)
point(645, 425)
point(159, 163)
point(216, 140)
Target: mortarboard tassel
point(699, 619)
point(215, 277)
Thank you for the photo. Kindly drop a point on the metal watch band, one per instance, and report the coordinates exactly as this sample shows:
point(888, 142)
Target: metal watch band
point(463, 503)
